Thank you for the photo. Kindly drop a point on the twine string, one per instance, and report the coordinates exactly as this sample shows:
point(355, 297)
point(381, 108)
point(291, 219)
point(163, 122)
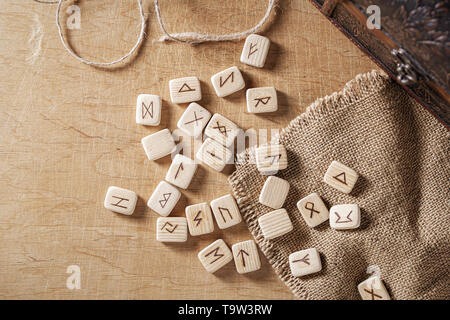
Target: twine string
point(195, 38)
point(184, 37)
point(101, 64)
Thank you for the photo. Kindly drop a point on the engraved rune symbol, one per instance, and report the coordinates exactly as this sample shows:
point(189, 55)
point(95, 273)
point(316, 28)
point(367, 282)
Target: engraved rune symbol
point(212, 153)
point(147, 110)
point(170, 225)
point(216, 254)
point(197, 218)
point(117, 204)
point(262, 100)
point(251, 51)
point(305, 260)
point(274, 157)
point(222, 210)
point(311, 208)
point(178, 170)
point(373, 294)
point(185, 88)
point(195, 119)
point(343, 180)
point(242, 252)
point(166, 197)
point(222, 129)
point(226, 79)
point(343, 221)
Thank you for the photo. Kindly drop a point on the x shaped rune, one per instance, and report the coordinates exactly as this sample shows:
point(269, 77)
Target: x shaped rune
point(373, 294)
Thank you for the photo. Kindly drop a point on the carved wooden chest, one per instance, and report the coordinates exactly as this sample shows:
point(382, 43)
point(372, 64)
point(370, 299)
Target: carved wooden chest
point(409, 39)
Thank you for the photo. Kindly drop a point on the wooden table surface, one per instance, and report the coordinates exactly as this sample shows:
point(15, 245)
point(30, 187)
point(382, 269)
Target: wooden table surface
point(68, 132)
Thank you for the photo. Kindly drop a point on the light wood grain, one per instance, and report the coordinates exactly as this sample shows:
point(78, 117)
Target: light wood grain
point(215, 256)
point(305, 262)
point(68, 131)
point(261, 100)
point(271, 158)
point(200, 219)
point(226, 211)
point(340, 177)
point(171, 229)
point(246, 256)
point(274, 192)
point(275, 224)
point(313, 210)
point(373, 289)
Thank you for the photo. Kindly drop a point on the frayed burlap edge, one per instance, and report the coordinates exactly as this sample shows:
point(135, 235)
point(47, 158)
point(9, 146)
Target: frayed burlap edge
point(355, 90)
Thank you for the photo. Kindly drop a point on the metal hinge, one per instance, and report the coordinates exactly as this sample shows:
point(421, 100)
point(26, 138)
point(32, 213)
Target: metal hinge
point(406, 74)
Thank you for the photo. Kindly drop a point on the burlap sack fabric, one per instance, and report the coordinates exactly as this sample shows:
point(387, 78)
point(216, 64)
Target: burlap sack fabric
point(401, 153)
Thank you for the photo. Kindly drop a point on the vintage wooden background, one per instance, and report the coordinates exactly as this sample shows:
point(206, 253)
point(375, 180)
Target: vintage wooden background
point(68, 131)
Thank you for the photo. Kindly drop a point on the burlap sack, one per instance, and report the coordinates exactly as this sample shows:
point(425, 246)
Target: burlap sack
point(401, 153)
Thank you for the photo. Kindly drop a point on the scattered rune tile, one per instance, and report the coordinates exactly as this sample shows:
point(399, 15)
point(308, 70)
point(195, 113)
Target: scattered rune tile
point(222, 130)
point(274, 192)
point(193, 120)
point(148, 109)
point(275, 224)
point(313, 210)
point(373, 289)
point(164, 198)
point(226, 211)
point(120, 200)
point(261, 100)
point(158, 144)
point(227, 82)
point(271, 158)
point(183, 90)
point(181, 171)
point(340, 177)
point(215, 256)
point(171, 229)
point(305, 262)
point(345, 216)
point(255, 50)
point(246, 256)
point(199, 219)
point(214, 155)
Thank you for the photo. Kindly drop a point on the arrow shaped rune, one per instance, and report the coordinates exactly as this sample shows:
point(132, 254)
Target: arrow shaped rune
point(179, 168)
point(274, 157)
point(343, 180)
point(263, 100)
point(251, 51)
point(343, 221)
point(242, 252)
point(170, 225)
point(197, 218)
point(216, 254)
point(305, 259)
